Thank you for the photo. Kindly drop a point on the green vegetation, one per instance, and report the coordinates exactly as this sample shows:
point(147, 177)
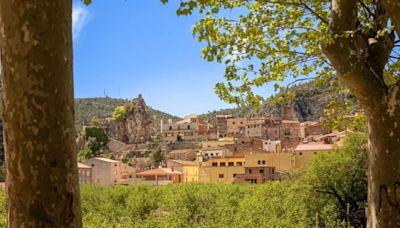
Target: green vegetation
point(331, 193)
point(96, 141)
point(157, 156)
point(119, 113)
point(87, 108)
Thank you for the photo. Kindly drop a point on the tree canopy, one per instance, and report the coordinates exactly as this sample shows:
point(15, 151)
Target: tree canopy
point(263, 42)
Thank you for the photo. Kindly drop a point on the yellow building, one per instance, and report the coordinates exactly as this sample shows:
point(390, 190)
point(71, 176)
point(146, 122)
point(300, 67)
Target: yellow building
point(221, 169)
point(189, 169)
point(283, 162)
point(286, 162)
point(226, 175)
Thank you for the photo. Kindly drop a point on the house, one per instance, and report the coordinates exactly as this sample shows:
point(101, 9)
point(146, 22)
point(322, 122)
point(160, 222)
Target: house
point(255, 128)
point(272, 146)
point(290, 135)
point(127, 172)
point(313, 128)
point(84, 173)
point(221, 169)
point(104, 171)
point(189, 169)
point(305, 152)
point(221, 125)
point(216, 143)
point(191, 127)
point(161, 176)
point(183, 154)
point(236, 127)
point(215, 152)
point(257, 174)
point(282, 162)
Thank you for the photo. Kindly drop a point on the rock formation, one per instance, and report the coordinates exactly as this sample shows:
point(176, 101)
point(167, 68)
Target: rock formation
point(137, 126)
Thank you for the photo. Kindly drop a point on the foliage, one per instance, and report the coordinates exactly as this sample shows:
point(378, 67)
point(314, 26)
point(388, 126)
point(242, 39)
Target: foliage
point(157, 156)
point(87, 108)
point(279, 43)
point(299, 201)
point(341, 176)
point(309, 102)
point(96, 143)
point(96, 132)
point(119, 113)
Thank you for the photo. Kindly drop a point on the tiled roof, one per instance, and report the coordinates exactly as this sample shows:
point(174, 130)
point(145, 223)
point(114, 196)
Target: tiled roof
point(313, 147)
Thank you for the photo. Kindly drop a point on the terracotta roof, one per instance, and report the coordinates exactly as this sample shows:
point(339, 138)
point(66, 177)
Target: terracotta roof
point(191, 163)
point(158, 172)
point(83, 166)
point(313, 147)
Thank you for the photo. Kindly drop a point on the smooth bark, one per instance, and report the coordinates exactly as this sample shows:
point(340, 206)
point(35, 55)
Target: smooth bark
point(42, 183)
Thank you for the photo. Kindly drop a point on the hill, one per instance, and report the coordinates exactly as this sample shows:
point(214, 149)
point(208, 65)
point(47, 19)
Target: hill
point(309, 103)
point(87, 108)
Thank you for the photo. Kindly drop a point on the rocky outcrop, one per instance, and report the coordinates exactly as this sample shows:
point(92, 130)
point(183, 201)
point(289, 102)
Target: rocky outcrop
point(137, 126)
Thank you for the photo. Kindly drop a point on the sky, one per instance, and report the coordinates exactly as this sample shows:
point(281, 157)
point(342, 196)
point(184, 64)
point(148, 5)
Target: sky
point(123, 48)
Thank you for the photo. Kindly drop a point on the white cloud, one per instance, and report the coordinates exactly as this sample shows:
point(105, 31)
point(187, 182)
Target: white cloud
point(80, 15)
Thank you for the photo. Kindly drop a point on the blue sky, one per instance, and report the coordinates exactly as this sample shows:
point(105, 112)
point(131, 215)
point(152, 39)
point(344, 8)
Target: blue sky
point(127, 47)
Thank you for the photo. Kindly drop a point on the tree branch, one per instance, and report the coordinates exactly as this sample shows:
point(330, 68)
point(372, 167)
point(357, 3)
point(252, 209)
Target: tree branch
point(392, 8)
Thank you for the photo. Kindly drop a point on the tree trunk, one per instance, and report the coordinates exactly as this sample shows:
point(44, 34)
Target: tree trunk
point(42, 183)
point(384, 169)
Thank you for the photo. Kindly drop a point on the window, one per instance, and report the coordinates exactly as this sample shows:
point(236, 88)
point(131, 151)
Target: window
point(230, 164)
point(233, 123)
point(212, 154)
point(214, 164)
point(221, 175)
point(170, 127)
point(259, 162)
point(92, 165)
point(263, 162)
point(238, 163)
point(250, 171)
point(206, 154)
point(234, 175)
point(188, 126)
point(287, 131)
point(222, 164)
point(261, 171)
point(301, 153)
point(115, 165)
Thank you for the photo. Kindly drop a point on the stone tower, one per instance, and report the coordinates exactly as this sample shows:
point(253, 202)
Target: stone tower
point(288, 113)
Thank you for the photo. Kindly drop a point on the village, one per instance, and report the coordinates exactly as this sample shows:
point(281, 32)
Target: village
point(228, 150)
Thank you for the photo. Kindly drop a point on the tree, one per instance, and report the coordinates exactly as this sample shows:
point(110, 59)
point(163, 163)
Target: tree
point(338, 43)
point(157, 156)
point(342, 176)
point(119, 113)
point(42, 179)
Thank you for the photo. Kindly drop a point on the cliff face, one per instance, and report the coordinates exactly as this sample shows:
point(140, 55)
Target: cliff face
point(136, 127)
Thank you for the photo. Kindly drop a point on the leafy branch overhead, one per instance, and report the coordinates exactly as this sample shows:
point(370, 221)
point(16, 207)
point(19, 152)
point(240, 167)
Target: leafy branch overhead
point(269, 41)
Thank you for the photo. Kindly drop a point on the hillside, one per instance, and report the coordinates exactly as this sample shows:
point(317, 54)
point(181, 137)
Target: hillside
point(309, 104)
point(87, 108)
